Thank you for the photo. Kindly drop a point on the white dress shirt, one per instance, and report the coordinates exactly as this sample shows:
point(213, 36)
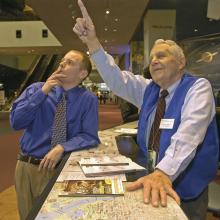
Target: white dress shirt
point(197, 111)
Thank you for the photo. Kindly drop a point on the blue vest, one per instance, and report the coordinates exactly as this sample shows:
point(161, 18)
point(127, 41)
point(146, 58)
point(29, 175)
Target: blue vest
point(203, 167)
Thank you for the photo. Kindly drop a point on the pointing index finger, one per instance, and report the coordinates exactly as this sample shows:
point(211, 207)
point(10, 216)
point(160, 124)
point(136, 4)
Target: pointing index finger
point(84, 11)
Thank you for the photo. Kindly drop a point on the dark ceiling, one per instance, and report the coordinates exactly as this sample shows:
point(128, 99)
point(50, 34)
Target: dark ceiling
point(191, 16)
point(114, 29)
point(192, 21)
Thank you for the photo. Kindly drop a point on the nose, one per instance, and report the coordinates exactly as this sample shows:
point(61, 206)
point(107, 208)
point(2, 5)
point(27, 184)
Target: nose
point(154, 61)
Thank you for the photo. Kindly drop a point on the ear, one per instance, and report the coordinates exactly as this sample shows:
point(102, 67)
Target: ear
point(83, 74)
point(182, 63)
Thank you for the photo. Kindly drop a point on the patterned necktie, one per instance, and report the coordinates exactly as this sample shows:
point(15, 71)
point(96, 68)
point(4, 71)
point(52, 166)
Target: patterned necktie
point(59, 124)
point(154, 140)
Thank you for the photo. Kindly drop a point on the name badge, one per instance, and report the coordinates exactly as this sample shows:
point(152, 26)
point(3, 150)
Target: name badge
point(166, 123)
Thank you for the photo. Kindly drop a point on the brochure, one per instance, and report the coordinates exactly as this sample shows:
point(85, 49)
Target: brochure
point(126, 130)
point(91, 171)
point(106, 187)
point(81, 176)
point(106, 160)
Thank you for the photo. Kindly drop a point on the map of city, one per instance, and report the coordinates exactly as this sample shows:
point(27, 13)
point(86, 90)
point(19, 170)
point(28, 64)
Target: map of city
point(128, 207)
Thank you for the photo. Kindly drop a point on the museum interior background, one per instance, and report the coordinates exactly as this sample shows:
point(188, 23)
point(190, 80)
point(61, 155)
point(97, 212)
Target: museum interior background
point(34, 35)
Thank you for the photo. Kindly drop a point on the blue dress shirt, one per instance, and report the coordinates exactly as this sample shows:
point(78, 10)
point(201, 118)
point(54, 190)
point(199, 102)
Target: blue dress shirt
point(34, 111)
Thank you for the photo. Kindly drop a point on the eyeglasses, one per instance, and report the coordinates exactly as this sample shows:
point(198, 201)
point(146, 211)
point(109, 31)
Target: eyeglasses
point(68, 62)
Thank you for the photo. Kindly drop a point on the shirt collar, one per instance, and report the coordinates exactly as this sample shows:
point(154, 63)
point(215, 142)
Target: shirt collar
point(173, 87)
point(71, 93)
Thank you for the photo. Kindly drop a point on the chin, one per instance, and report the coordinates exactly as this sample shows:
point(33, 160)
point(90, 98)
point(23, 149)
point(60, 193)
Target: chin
point(157, 80)
point(158, 76)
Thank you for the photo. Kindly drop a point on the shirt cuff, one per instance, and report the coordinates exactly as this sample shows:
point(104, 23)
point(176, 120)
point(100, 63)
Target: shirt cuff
point(168, 166)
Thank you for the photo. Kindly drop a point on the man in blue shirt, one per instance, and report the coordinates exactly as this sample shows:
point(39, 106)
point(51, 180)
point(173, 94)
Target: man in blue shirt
point(34, 112)
point(186, 155)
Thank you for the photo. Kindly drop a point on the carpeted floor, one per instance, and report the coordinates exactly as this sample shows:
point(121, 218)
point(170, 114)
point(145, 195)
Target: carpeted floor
point(8, 204)
point(109, 116)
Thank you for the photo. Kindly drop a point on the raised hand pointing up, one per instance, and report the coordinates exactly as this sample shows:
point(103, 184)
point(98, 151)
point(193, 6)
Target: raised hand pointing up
point(85, 29)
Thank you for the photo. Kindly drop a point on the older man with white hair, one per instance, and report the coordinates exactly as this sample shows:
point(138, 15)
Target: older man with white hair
point(177, 127)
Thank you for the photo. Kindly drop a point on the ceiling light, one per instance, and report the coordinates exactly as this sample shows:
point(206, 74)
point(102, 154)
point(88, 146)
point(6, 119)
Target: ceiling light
point(195, 30)
point(114, 30)
point(116, 19)
point(87, 52)
point(106, 41)
point(107, 12)
point(106, 29)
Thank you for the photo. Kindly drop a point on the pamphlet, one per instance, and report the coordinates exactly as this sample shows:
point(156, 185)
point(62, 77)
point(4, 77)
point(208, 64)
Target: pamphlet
point(126, 130)
point(81, 176)
point(106, 187)
point(105, 160)
point(91, 171)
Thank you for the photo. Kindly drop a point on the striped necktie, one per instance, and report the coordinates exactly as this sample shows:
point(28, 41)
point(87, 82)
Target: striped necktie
point(59, 124)
point(154, 139)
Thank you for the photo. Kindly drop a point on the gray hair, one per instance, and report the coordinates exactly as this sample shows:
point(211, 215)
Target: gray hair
point(176, 50)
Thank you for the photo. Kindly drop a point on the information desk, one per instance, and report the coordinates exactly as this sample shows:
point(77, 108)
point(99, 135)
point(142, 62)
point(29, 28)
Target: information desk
point(130, 206)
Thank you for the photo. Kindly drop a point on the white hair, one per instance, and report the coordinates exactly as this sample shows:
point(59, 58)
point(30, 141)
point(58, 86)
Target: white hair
point(176, 50)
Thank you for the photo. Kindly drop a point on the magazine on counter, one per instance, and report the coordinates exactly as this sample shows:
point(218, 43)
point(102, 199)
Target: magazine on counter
point(106, 160)
point(106, 187)
point(81, 176)
point(126, 130)
point(92, 171)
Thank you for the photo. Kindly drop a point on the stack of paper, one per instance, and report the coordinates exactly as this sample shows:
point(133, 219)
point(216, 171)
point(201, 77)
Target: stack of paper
point(72, 170)
point(108, 165)
point(126, 130)
point(104, 160)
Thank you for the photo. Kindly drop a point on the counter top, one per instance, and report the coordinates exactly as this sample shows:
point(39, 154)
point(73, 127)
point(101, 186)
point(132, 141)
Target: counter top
point(130, 206)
